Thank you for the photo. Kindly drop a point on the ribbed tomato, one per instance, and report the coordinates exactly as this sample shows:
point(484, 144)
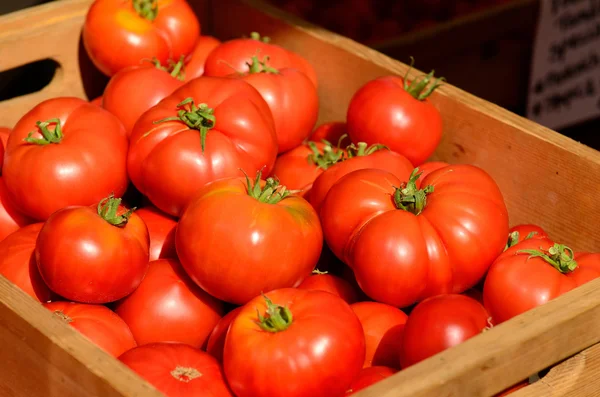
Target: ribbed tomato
point(161, 228)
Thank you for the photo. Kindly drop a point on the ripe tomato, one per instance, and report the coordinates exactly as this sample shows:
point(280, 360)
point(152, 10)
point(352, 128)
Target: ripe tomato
point(383, 325)
point(135, 89)
point(98, 323)
point(169, 307)
point(93, 254)
point(81, 148)
point(389, 111)
point(97, 101)
point(4, 132)
point(334, 132)
point(10, 218)
point(291, 96)
point(234, 55)
point(161, 228)
point(208, 129)
point(118, 34)
point(332, 284)
point(195, 66)
point(178, 370)
point(240, 224)
point(439, 323)
point(518, 233)
point(427, 168)
point(532, 273)
point(369, 376)
point(18, 265)
point(360, 157)
point(452, 230)
point(216, 340)
point(310, 342)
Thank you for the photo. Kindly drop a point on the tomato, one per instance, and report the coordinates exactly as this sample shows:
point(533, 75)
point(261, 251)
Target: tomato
point(292, 98)
point(293, 342)
point(195, 66)
point(216, 340)
point(439, 323)
point(93, 254)
point(233, 56)
point(97, 101)
point(532, 273)
point(334, 132)
point(518, 233)
point(389, 111)
point(178, 370)
point(80, 150)
point(18, 265)
point(4, 132)
point(169, 307)
point(298, 168)
point(427, 168)
point(161, 228)
point(383, 326)
point(332, 284)
point(118, 34)
point(238, 238)
point(360, 157)
point(452, 230)
point(214, 128)
point(369, 376)
point(10, 218)
point(98, 323)
point(135, 89)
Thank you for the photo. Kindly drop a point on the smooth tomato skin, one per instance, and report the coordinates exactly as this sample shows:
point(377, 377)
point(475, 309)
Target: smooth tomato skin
point(194, 67)
point(157, 363)
point(439, 323)
point(240, 235)
point(381, 159)
point(332, 132)
point(293, 101)
point(135, 89)
point(98, 323)
point(161, 228)
point(18, 265)
point(10, 218)
point(116, 37)
point(216, 340)
point(428, 167)
point(318, 355)
point(332, 284)
point(383, 112)
point(369, 376)
point(93, 148)
point(97, 101)
point(168, 307)
point(85, 259)
point(243, 138)
point(383, 326)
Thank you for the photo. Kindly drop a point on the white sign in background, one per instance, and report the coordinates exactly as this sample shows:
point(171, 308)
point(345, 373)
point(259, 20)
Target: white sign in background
point(565, 76)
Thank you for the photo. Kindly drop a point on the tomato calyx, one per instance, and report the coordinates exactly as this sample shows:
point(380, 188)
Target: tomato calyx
point(362, 149)
point(561, 257)
point(271, 193)
point(175, 69)
point(408, 198)
point(185, 374)
point(48, 137)
point(256, 66)
point(326, 158)
point(199, 117)
point(108, 209)
point(256, 36)
point(418, 87)
point(513, 238)
point(147, 9)
point(60, 314)
point(278, 318)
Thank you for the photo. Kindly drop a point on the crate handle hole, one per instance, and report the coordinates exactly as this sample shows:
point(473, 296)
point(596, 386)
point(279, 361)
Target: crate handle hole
point(28, 78)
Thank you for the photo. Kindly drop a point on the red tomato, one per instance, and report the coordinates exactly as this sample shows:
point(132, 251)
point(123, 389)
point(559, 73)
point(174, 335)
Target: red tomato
point(518, 233)
point(369, 376)
point(169, 307)
point(234, 55)
point(118, 34)
point(216, 340)
point(439, 323)
point(135, 89)
point(18, 265)
point(4, 132)
point(215, 127)
point(93, 254)
point(427, 168)
point(360, 157)
point(452, 230)
point(383, 325)
point(332, 284)
point(98, 323)
point(10, 218)
point(332, 132)
point(195, 66)
point(97, 101)
point(161, 228)
point(532, 273)
point(178, 370)
point(292, 98)
point(310, 342)
point(81, 148)
point(388, 111)
point(240, 224)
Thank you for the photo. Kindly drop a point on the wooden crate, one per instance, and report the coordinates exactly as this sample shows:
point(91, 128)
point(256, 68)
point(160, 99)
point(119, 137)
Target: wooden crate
point(546, 178)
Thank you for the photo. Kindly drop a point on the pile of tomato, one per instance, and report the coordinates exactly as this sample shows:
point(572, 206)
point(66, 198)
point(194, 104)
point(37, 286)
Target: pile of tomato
point(197, 224)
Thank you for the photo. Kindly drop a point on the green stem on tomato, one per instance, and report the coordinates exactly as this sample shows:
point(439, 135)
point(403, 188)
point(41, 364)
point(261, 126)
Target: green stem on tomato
point(278, 318)
point(48, 137)
point(362, 149)
point(256, 36)
point(271, 193)
point(325, 158)
point(175, 69)
point(108, 209)
point(409, 198)
point(561, 257)
point(513, 238)
point(257, 66)
point(418, 88)
point(147, 9)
